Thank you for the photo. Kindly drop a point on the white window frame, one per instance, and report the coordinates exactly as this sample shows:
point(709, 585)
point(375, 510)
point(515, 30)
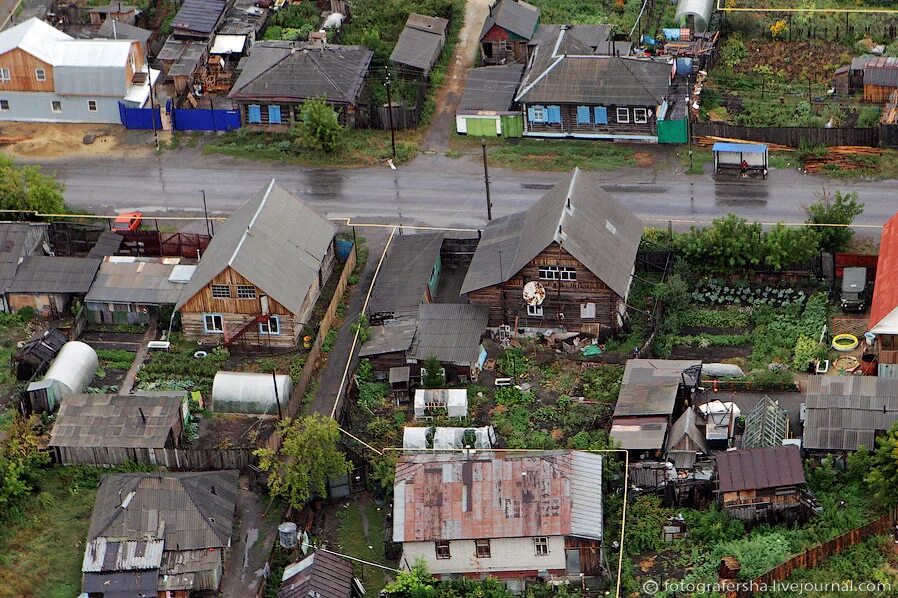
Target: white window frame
point(40, 74)
point(534, 310)
point(2, 103)
point(246, 291)
point(210, 318)
point(53, 104)
point(5, 75)
point(588, 310)
point(625, 112)
point(437, 545)
point(541, 546)
point(265, 327)
point(92, 106)
point(640, 120)
point(482, 546)
point(539, 114)
point(565, 273)
point(216, 291)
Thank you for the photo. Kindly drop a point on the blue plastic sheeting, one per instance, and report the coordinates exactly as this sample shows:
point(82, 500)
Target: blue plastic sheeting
point(648, 40)
point(482, 358)
point(684, 66)
point(744, 148)
point(671, 34)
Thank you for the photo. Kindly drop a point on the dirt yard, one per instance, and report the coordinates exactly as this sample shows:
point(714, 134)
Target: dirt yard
point(49, 140)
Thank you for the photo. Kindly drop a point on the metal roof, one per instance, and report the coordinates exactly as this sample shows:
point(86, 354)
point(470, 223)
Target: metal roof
point(43, 346)
point(450, 332)
point(200, 16)
point(193, 570)
point(130, 584)
point(685, 426)
point(143, 281)
point(320, 574)
point(514, 16)
point(639, 433)
point(391, 337)
point(491, 88)
point(48, 274)
point(884, 307)
point(597, 38)
point(108, 243)
point(17, 240)
point(449, 496)
point(35, 37)
point(403, 277)
point(92, 52)
point(766, 424)
point(107, 554)
point(274, 240)
point(188, 511)
point(650, 386)
point(297, 70)
point(740, 148)
point(420, 42)
point(845, 412)
point(759, 468)
point(882, 71)
point(113, 8)
point(399, 374)
point(111, 29)
point(95, 420)
point(589, 224)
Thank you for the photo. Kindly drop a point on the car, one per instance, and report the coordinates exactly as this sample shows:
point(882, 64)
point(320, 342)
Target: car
point(127, 222)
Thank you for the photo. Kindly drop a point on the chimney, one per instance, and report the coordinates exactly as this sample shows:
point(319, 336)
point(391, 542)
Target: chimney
point(142, 416)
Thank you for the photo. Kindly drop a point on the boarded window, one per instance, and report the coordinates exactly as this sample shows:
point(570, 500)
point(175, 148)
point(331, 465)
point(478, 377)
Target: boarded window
point(601, 115)
point(582, 115)
point(274, 114)
point(553, 115)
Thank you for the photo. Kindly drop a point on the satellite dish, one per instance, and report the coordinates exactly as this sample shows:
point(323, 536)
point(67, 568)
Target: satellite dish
point(534, 293)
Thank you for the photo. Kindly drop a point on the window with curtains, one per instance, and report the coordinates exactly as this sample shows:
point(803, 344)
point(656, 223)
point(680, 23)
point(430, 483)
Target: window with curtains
point(583, 115)
point(601, 113)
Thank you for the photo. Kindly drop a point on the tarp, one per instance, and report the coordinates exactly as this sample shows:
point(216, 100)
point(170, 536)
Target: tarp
point(743, 148)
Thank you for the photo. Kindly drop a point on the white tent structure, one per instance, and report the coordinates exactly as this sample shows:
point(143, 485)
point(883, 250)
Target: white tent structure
point(721, 417)
point(418, 438)
point(414, 438)
point(698, 10)
point(74, 367)
point(430, 401)
point(246, 392)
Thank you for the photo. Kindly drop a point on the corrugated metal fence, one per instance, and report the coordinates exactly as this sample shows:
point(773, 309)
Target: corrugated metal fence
point(791, 136)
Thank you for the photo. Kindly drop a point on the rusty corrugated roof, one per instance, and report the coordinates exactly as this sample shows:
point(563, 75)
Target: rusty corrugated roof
point(756, 469)
point(885, 291)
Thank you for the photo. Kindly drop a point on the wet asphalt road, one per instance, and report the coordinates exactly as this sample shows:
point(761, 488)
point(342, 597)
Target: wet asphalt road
point(437, 191)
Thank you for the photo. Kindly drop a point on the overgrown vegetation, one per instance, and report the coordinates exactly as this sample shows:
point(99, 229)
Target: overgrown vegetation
point(180, 369)
point(27, 189)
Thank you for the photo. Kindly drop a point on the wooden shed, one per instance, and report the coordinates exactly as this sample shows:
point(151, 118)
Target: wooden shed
point(761, 483)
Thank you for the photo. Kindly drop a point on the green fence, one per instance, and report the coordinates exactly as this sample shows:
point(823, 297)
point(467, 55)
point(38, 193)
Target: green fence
point(672, 131)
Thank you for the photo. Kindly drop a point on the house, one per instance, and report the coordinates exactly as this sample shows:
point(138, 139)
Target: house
point(261, 274)
point(569, 91)
point(198, 19)
point(761, 483)
point(766, 424)
point(49, 76)
point(847, 412)
point(114, 11)
point(48, 284)
point(514, 516)
point(112, 29)
point(599, 39)
point(132, 290)
point(159, 534)
point(849, 79)
point(573, 251)
point(110, 430)
point(508, 28)
point(883, 323)
point(653, 392)
point(278, 77)
point(408, 277)
point(420, 43)
point(322, 573)
point(18, 240)
point(487, 107)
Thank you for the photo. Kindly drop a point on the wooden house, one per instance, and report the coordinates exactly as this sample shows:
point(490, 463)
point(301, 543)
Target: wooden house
point(49, 284)
point(762, 483)
point(114, 11)
point(509, 27)
point(577, 245)
point(262, 273)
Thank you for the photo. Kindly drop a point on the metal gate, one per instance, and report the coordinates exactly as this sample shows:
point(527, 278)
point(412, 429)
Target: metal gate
point(204, 119)
point(140, 118)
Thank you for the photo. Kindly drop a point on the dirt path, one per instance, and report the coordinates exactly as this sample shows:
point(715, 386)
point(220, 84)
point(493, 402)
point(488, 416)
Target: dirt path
point(254, 536)
point(443, 122)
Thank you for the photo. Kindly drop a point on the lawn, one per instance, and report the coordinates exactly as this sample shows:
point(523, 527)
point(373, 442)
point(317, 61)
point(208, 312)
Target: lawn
point(564, 155)
point(362, 536)
point(41, 549)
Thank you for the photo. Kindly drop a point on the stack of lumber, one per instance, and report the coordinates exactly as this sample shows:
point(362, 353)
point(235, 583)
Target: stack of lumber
point(709, 141)
point(845, 157)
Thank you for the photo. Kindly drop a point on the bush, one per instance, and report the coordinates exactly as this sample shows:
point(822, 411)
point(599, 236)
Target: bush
point(869, 116)
point(513, 362)
point(840, 209)
point(319, 127)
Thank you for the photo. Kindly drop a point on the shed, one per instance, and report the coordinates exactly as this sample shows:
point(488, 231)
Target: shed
point(322, 573)
point(487, 106)
point(244, 392)
point(685, 435)
point(108, 243)
point(407, 277)
point(36, 353)
point(695, 14)
point(111, 29)
point(420, 43)
point(415, 438)
point(198, 19)
point(761, 483)
point(453, 400)
point(114, 11)
point(48, 283)
point(730, 156)
point(720, 420)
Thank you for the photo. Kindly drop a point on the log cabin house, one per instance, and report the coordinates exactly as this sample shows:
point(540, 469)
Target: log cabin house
point(762, 483)
point(577, 242)
point(262, 273)
point(509, 27)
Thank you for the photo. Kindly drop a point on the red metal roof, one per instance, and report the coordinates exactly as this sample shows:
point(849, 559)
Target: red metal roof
point(756, 469)
point(885, 291)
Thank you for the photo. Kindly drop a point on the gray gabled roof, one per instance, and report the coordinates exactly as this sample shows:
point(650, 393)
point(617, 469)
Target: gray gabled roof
point(193, 511)
point(143, 281)
point(110, 29)
point(321, 573)
point(404, 274)
point(200, 16)
point(46, 274)
point(295, 71)
point(275, 240)
point(450, 332)
point(592, 226)
point(491, 88)
point(17, 240)
point(420, 42)
point(514, 16)
point(686, 426)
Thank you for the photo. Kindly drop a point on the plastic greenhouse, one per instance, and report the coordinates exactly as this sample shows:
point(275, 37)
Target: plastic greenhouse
point(766, 424)
point(432, 401)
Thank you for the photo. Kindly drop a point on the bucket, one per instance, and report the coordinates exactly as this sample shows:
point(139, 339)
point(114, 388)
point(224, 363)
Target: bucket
point(307, 342)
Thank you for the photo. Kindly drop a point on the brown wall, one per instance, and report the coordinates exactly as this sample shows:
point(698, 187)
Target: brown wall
point(22, 66)
point(45, 305)
point(877, 94)
point(744, 498)
point(506, 304)
point(569, 122)
point(203, 302)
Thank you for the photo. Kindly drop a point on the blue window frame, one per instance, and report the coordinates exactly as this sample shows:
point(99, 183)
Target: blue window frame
point(536, 114)
point(254, 114)
point(601, 113)
point(274, 114)
point(553, 114)
point(583, 115)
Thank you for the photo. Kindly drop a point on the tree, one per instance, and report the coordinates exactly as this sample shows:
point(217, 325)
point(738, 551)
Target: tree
point(20, 460)
point(26, 188)
point(319, 127)
point(883, 473)
point(414, 583)
point(308, 456)
point(785, 245)
point(433, 377)
point(839, 209)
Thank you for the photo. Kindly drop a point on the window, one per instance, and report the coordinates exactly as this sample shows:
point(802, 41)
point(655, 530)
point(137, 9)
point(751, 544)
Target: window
point(623, 115)
point(221, 291)
point(442, 549)
point(541, 546)
point(56, 106)
point(583, 115)
point(537, 114)
point(557, 273)
point(92, 105)
point(4, 75)
point(246, 291)
point(534, 310)
point(213, 323)
point(272, 327)
point(4, 105)
point(40, 74)
point(553, 114)
point(274, 114)
point(482, 549)
point(640, 115)
point(601, 114)
point(587, 310)
point(254, 114)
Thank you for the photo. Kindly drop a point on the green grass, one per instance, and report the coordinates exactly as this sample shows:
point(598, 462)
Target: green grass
point(700, 157)
point(355, 540)
point(115, 359)
point(562, 155)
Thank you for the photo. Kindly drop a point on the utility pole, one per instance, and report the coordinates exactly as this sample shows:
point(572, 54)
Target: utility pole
point(486, 181)
point(390, 111)
point(206, 214)
point(152, 106)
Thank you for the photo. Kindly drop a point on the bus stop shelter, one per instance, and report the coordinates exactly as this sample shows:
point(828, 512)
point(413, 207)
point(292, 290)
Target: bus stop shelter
point(734, 157)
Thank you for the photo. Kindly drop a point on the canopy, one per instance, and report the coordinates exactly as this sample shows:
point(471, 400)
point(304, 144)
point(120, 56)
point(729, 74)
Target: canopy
point(742, 148)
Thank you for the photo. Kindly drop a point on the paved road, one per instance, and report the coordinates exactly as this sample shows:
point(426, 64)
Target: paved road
point(434, 190)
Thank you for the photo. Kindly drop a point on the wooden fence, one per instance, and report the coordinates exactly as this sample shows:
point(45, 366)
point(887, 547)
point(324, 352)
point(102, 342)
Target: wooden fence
point(174, 459)
point(815, 555)
point(791, 136)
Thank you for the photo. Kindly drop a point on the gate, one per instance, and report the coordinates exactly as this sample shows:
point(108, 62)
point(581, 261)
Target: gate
point(204, 119)
point(140, 118)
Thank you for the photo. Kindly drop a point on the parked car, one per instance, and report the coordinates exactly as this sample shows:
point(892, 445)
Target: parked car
point(854, 290)
point(127, 222)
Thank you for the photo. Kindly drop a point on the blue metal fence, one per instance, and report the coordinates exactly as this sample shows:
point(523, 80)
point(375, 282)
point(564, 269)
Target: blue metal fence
point(201, 119)
point(140, 118)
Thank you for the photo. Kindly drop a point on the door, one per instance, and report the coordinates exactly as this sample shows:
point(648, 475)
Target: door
point(481, 127)
point(512, 126)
